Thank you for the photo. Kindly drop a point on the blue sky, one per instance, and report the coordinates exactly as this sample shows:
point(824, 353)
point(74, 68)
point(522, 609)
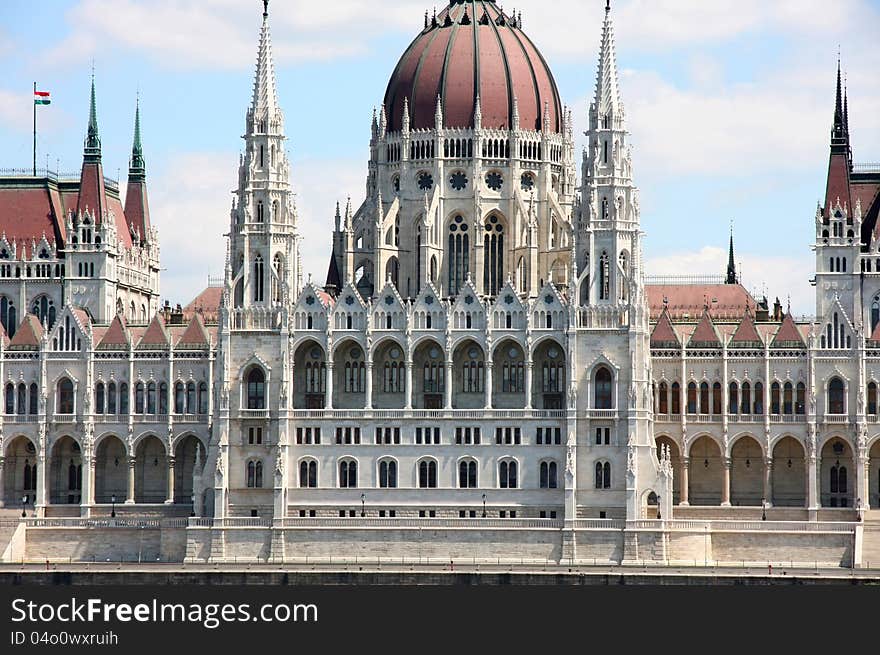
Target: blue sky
point(729, 102)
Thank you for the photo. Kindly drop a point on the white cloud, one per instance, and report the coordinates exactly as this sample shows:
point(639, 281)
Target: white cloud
point(762, 275)
point(219, 34)
point(189, 204)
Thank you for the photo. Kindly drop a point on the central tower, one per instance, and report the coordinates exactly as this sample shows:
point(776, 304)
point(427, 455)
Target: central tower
point(471, 171)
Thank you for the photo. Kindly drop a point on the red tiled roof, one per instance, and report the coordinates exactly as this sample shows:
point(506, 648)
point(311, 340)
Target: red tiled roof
point(875, 335)
point(663, 334)
point(838, 184)
point(137, 208)
point(28, 335)
point(746, 333)
point(687, 301)
point(155, 336)
point(195, 334)
point(466, 58)
point(26, 215)
point(328, 300)
point(206, 304)
point(787, 333)
point(704, 334)
point(116, 336)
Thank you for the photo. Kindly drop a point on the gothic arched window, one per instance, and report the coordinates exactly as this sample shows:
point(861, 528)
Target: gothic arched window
point(256, 389)
point(278, 282)
point(458, 254)
point(258, 279)
point(604, 389)
point(493, 254)
point(427, 474)
point(388, 474)
point(65, 396)
point(8, 316)
point(835, 396)
point(604, 277)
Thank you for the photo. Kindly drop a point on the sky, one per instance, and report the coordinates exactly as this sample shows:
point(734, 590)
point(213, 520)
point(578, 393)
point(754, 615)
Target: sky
point(729, 102)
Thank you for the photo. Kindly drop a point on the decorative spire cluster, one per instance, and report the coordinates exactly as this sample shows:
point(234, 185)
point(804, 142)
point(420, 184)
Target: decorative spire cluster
point(265, 98)
point(731, 263)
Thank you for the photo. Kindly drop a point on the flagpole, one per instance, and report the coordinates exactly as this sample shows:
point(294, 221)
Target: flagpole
point(35, 129)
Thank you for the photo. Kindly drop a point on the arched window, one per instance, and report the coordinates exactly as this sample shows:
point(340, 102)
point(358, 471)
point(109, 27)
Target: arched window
point(603, 475)
point(716, 398)
point(139, 398)
point(163, 398)
point(676, 398)
point(308, 474)
point(467, 474)
point(123, 398)
point(99, 398)
point(179, 399)
point(692, 398)
point(34, 399)
point(278, 281)
point(800, 403)
point(151, 398)
point(733, 393)
point(203, 398)
point(493, 256)
point(259, 279)
point(548, 475)
point(255, 474)
point(8, 316)
point(759, 398)
point(190, 397)
point(872, 398)
point(622, 260)
point(458, 254)
point(604, 389)
point(256, 389)
point(604, 277)
point(44, 309)
point(507, 474)
point(663, 399)
point(838, 479)
point(775, 406)
point(835, 396)
point(65, 396)
point(348, 474)
point(10, 399)
point(787, 400)
point(388, 474)
point(704, 398)
point(427, 474)
point(746, 404)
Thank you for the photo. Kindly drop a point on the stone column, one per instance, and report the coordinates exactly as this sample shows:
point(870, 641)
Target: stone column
point(42, 498)
point(369, 389)
point(861, 490)
point(2, 482)
point(529, 366)
point(87, 498)
point(768, 481)
point(490, 365)
point(169, 497)
point(726, 463)
point(409, 383)
point(685, 490)
point(866, 494)
point(813, 476)
point(129, 498)
point(448, 386)
point(328, 398)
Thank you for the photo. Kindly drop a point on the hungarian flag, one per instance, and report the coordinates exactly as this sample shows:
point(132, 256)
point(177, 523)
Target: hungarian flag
point(42, 98)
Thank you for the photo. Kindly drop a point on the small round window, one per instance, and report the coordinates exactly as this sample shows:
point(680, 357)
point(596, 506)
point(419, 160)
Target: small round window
point(527, 182)
point(494, 181)
point(426, 181)
point(458, 181)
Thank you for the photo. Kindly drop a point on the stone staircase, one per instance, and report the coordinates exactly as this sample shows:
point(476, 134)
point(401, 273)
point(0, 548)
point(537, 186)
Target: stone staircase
point(871, 540)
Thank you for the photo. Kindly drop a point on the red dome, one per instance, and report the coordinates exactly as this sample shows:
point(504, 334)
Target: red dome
point(441, 61)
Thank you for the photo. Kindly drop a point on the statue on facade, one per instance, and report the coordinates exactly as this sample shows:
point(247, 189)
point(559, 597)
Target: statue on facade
point(279, 465)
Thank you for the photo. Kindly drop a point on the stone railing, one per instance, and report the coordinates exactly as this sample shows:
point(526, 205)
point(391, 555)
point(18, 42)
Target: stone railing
point(430, 414)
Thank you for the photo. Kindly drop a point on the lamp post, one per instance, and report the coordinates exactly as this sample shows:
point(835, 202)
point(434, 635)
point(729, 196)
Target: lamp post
point(24, 500)
point(659, 514)
point(859, 509)
point(484, 505)
point(363, 504)
point(113, 506)
point(192, 505)
point(763, 509)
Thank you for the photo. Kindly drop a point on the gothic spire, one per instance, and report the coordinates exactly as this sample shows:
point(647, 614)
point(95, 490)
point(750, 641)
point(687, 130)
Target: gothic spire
point(92, 150)
point(731, 264)
point(265, 89)
point(839, 133)
point(607, 88)
point(137, 166)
